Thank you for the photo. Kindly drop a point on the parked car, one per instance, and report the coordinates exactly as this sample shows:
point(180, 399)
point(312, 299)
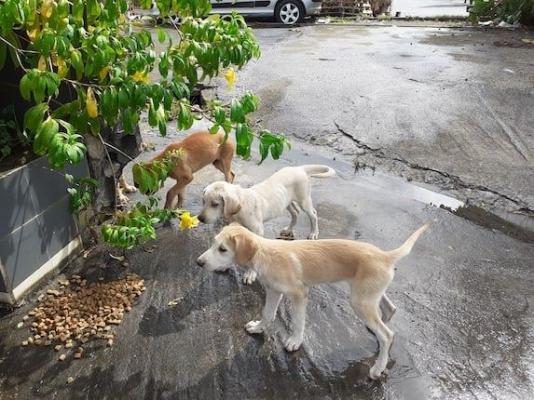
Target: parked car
point(287, 12)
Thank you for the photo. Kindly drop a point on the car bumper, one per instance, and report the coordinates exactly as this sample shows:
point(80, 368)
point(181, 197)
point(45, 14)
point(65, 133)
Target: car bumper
point(313, 7)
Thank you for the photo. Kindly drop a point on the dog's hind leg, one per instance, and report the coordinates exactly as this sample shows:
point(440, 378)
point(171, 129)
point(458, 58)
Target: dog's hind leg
point(307, 206)
point(298, 301)
point(226, 168)
point(288, 230)
point(387, 308)
point(368, 311)
point(178, 191)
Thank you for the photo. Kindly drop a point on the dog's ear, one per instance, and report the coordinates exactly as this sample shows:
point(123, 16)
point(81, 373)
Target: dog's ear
point(244, 247)
point(231, 204)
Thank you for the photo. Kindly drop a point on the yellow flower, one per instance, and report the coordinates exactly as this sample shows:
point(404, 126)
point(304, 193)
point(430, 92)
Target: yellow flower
point(90, 104)
point(230, 77)
point(141, 76)
point(103, 72)
point(41, 65)
point(187, 221)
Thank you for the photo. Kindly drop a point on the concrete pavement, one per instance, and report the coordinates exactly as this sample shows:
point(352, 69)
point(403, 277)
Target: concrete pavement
point(447, 107)
point(463, 325)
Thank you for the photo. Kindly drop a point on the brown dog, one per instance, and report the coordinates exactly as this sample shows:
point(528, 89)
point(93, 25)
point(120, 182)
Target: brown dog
point(197, 150)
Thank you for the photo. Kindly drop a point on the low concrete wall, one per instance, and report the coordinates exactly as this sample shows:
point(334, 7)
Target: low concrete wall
point(37, 230)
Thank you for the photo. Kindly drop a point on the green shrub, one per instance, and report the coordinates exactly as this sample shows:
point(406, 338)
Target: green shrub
point(510, 11)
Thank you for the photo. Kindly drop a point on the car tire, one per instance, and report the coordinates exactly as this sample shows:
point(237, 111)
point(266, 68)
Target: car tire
point(289, 12)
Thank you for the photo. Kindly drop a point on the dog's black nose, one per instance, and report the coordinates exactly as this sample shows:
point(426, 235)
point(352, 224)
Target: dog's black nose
point(201, 218)
point(200, 263)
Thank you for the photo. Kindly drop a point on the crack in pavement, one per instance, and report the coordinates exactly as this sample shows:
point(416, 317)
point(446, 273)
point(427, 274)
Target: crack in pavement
point(453, 180)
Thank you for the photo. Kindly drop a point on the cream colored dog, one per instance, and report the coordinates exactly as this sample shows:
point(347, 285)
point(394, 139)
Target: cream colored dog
point(292, 267)
point(286, 189)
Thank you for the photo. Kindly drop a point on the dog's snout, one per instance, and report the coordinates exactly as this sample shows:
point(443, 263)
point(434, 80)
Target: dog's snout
point(202, 219)
point(200, 262)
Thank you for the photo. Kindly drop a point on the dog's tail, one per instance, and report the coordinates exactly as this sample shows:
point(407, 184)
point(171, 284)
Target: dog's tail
point(404, 250)
point(318, 171)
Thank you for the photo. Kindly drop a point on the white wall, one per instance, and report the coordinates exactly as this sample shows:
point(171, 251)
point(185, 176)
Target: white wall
point(429, 8)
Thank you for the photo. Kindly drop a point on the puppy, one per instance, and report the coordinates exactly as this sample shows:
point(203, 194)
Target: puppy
point(284, 190)
point(292, 267)
point(198, 150)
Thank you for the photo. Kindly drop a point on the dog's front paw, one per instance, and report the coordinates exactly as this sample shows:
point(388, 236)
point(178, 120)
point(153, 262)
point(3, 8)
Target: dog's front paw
point(254, 327)
point(293, 343)
point(249, 277)
point(313, 236)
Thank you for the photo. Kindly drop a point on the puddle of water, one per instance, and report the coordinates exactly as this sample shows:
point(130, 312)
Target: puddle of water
point(521, 228)
point(400, 187)
point(516, 226)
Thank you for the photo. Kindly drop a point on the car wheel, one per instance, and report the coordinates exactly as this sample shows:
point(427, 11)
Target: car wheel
point(289, 12)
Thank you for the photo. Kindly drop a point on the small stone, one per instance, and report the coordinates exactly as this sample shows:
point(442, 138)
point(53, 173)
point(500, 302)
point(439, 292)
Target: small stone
point(70, 379)
point(77, 355)
point(58, 347)
point(62, 357)
point(25, 318)
point(24, 342)
point(20, 325)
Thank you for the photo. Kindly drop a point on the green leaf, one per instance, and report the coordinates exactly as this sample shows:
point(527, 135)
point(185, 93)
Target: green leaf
point(45, 135)
point(77, 11)
point(77, 63)
point(244, 139)
point(124, 97)
point(26, 86)
point(152, 118)
point(34, 116)
point(146, 4)
point(264, 151)
point(162, 35)
point(236, 111)
point(214, 129)
point(276, 149)
point(163, 65)
point(220, 115)
point(185, 119)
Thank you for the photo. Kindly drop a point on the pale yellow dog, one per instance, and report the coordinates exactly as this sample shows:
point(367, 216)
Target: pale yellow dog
point(291, 267)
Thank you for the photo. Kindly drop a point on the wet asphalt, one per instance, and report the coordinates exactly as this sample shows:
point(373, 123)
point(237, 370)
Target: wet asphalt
point(447, 107)
point(464, 324)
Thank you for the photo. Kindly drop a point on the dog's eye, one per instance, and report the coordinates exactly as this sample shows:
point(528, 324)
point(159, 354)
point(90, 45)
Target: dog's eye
point(222, 249)
point(215, 204)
